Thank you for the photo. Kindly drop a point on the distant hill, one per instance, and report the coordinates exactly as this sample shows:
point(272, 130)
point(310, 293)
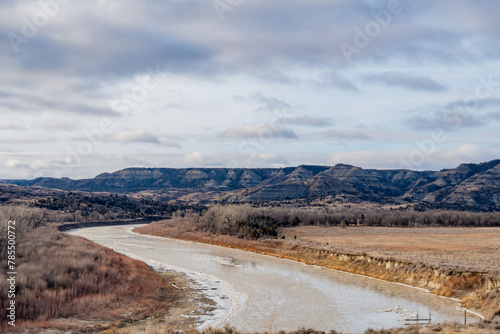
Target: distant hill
point(469, 186)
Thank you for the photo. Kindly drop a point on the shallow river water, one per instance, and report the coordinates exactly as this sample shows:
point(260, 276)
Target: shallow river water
point(257, 292)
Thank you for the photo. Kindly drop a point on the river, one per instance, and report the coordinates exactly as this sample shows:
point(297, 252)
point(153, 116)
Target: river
point(257, 292)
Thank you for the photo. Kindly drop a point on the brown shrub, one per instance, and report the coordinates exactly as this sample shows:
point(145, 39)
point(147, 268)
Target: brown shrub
point(62, 276)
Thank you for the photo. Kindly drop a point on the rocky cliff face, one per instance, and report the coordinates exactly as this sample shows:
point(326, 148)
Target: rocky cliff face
point(469, 185)
point(473, 186)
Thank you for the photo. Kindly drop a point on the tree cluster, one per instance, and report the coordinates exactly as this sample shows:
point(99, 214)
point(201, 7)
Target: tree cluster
point(246, 221)
point(24, 218)
point(80, 207)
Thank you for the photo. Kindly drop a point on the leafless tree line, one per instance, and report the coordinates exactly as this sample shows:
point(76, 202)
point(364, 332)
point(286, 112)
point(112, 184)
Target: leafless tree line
point(255, 222)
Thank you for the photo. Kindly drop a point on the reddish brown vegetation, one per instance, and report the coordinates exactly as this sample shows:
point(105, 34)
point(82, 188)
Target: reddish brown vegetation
point(476, 328)
point(62, 276)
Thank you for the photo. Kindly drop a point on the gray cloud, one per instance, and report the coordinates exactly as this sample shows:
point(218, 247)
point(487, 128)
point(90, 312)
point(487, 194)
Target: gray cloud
point(413, 82)
point(39, 93)
point(307, 121)
point(338, 134)
point(345, 135)
point(56, 125)
point(118, 41)
point(271, 103)
point(445, 121)
point(277, 77)
point(328, 79)
point(134, 136)
point(169, 143)
point(36, 106)
point(32, 139)
point(187, 37)
point(335, 80)
point(473, 104)
point(87, 42)
point(494, 115)
point(261, 131)
point(467, 113)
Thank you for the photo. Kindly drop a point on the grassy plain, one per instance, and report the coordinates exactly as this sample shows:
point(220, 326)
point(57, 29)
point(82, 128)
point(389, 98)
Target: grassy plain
point(467, 249)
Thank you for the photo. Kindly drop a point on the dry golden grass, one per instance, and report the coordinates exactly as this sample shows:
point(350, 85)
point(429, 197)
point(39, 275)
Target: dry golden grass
point(468, 249)
point(464, 251)
point(66, 277)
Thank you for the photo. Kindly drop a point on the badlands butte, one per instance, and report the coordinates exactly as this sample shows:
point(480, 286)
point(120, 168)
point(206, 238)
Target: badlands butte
point(466, 187)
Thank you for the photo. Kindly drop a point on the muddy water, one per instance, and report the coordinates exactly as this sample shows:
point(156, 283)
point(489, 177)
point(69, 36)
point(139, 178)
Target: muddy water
point(256, 292)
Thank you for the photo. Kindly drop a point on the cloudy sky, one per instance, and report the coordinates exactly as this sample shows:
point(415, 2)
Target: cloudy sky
point(99, 85)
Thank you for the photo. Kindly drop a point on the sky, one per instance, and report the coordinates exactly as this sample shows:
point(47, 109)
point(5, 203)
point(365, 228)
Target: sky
point(96, 86)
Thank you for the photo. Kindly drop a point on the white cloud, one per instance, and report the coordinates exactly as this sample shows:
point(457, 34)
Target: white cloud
point(195, 159)
point(416, 158)
point(200, 159)
point(12, 163)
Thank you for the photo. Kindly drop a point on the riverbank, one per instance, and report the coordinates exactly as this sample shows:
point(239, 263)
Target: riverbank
point(182, 315)
point(479, 328)
point(475, 290)
point(68, 283)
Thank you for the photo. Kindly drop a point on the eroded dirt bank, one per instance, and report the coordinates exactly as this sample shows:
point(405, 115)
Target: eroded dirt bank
point(477, 291)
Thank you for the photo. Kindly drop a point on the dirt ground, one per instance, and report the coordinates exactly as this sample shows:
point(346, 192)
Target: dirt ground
point(184, 315)
point(475, 249)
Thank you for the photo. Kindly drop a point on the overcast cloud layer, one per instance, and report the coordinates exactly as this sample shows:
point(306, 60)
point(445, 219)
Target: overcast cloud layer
point(95, 86)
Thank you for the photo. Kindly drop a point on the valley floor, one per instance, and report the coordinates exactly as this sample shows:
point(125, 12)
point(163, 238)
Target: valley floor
point(466, 249)
point(445, 261)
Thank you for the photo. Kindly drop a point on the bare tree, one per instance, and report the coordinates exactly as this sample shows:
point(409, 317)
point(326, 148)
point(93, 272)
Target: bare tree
point(25, 219)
